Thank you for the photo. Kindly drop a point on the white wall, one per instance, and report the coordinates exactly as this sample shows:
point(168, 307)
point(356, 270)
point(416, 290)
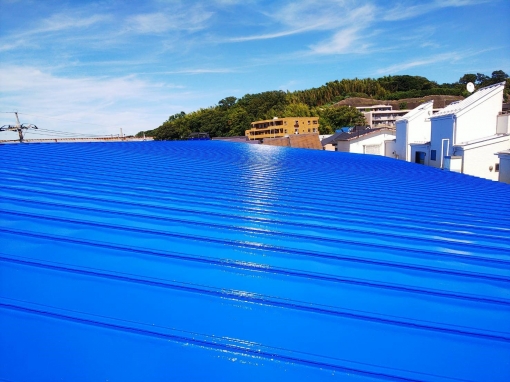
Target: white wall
point(419, 128)
point(402, 149)
point(389, 148)
point(477, 161)
point(504, 168)
point(357, 145)
point(413, 130)
point(342, 146)
point(479, 120)
point(441, 128)
point(503, 126)
point(423, 148)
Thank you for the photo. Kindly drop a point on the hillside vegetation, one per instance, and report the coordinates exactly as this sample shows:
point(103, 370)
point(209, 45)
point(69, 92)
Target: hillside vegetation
point(232, 116)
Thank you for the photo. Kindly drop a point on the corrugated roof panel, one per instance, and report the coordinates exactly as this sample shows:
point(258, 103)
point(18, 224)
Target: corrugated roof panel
point(217, 260)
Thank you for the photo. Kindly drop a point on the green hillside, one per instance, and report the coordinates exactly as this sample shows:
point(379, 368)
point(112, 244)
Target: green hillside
point(232, 116)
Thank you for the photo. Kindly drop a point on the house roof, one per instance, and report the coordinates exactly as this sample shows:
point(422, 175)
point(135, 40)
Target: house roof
point(495, 137)
point(210, 260)
point(456, 108)
point(355, 134)
point(418, 111)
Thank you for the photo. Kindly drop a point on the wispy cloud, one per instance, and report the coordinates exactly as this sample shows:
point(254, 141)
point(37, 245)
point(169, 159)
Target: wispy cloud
point(341, 42)
point(347, 21)
point(110, 102)
point(185, 18)
point(195, 71)
point(397, 68)
point(404, 11)
point(268, 36)
point(57, 23)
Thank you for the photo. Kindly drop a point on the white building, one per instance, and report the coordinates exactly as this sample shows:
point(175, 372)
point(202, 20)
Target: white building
point(414, 127)
point(465, 135)
point(362, 141)
point(504, 166)
point(381, 115)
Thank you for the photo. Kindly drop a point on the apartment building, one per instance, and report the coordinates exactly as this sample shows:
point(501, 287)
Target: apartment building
point(280, 127)
point(381, 115)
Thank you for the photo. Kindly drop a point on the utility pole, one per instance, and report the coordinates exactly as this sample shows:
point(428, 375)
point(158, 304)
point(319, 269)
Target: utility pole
point(18, 127)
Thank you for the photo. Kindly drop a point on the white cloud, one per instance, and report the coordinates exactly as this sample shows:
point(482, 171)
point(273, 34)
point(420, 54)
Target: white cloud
point(103, 105)
point(341, 42)
point(183, 18)
point(419, 62)
point(269, 35)
point(404, 11)
point(346, 19)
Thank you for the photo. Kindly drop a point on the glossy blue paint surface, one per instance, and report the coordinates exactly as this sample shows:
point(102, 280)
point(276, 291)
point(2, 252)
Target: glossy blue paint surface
point(224, 261)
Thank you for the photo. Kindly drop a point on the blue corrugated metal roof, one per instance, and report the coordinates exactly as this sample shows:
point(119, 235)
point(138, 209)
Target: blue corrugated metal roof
point(223, 261)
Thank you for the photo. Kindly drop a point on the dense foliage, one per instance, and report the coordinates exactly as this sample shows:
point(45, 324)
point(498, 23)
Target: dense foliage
point(232, 116)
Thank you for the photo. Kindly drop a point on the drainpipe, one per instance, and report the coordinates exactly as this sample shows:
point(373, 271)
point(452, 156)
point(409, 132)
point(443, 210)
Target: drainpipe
point(442, 147)
point(407, 151)
point(454, 141)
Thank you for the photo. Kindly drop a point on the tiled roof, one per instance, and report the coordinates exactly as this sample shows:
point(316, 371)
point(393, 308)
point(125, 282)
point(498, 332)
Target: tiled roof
point(207, 260)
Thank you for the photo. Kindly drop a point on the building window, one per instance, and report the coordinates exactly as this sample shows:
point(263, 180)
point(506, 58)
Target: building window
point(314, 122)
point(314, 130)
point(433, 155)
point(419, 157)
point(308, 122)
point(285, 131)
point(308, 130)
point(496, 167)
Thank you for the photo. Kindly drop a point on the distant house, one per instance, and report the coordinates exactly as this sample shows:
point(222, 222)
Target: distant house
point(361, 140)
point(465, 135)
point(280, 127)
point(413, 127)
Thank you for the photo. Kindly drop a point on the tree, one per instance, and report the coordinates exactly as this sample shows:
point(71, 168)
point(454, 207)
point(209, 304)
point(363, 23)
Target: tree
point(467, 78)
point(481, 79)
point(333, 118)
point(176, 116)
point(259, 106)
point(297, 110)
point(172, 130)
point(238, 121)
point(227, 103)
point(498, 76)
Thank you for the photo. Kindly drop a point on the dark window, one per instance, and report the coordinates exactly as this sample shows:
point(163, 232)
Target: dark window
point(419, 157)
point(433, 155)
point(496, 168)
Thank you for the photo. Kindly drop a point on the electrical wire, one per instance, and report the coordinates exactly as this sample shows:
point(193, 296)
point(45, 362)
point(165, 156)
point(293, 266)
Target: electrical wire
point(65, 120)
point(67, 132)
point(58, 135)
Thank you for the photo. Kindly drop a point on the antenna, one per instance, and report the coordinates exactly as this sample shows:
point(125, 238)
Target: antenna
point(470, 87)
point(18, 127)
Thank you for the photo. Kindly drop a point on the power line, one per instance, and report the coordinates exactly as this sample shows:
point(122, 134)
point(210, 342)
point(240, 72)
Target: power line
point(60, 135)
point(67, 132)
point(66, 120)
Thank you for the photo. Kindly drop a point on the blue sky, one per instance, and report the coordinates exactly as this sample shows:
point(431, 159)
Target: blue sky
point(95, 66)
